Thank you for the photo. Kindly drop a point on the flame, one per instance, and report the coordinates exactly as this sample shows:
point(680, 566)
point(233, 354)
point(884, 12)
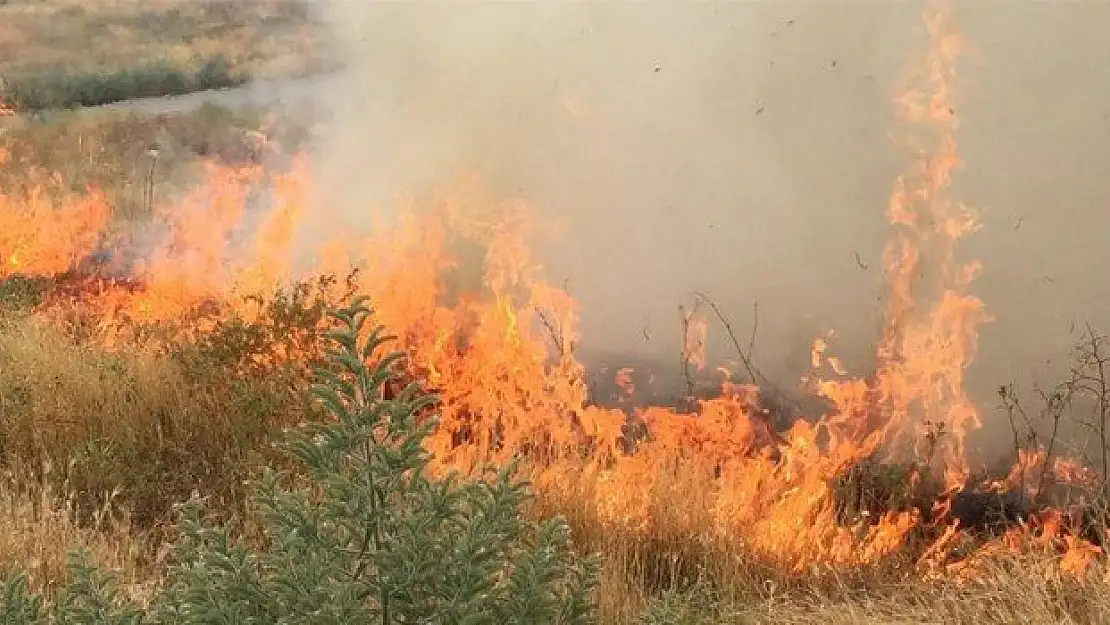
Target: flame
point(932, 318)
point(499, 347)
point(43, 235)
point(502, 359)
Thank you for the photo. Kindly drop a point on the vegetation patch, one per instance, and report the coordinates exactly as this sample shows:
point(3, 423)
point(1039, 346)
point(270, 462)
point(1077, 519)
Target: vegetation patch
point(65, 53)
point(371, 537)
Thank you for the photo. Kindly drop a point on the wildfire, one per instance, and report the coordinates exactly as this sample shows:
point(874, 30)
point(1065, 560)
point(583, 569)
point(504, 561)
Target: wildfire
point(931, 326)
point(501, 357)
point(41, 238)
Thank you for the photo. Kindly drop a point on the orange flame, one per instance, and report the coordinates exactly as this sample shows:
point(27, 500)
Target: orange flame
point(44, 236)
point(926, 347)
point(501, 354)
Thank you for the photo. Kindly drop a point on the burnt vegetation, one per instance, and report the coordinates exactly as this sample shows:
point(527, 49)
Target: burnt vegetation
point(257, 371)
point(1044, 473)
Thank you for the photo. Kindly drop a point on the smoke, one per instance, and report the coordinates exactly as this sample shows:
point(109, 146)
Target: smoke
point(740, 149)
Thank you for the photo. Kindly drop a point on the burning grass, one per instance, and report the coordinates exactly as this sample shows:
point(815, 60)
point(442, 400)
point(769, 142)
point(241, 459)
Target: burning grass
point(137, 161)
point(61, 53)
point(175, 367)
point(156, 353)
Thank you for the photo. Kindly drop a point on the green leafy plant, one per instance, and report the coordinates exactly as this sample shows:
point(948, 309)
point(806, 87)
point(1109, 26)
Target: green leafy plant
point(691, 606)
point(364, 535)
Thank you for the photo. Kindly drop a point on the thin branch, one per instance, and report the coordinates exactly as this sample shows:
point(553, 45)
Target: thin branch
point(1102, 396)
point(1057, 415)
point(1009, 403)
point(685, 355)
point(745, 358)
point(555, 332)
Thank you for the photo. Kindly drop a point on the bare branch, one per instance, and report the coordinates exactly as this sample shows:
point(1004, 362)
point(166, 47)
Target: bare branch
point(745, 358)
point(553, 330)
point(684, 358)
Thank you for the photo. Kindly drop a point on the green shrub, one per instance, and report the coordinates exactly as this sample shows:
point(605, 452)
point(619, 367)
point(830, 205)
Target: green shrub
point(59, 88)
point(693, 606)
point(369, 537)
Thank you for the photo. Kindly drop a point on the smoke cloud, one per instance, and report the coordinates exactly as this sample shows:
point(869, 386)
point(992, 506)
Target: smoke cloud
point(741, 149)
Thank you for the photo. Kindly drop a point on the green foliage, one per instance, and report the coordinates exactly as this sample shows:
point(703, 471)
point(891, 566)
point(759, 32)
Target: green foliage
point(693, 606)
point(364, 535)
point(61, 89)
point(90, 599)
point(18, 606)
point(290, 322)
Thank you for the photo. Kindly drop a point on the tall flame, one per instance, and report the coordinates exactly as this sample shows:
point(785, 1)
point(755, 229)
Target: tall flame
point(932, 319)
point(502, 356)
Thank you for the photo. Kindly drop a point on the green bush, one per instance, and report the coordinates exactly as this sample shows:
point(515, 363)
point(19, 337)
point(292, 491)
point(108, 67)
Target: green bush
point(369, 537)
point(693, 606)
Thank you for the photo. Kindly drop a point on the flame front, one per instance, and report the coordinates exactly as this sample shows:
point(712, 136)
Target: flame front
point(501, 356)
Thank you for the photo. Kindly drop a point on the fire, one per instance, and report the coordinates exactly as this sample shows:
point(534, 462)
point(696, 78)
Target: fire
point(930, 336)
point(501, 352)
point(45, 236)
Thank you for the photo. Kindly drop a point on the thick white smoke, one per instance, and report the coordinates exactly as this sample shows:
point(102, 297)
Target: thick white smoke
point(740, 149)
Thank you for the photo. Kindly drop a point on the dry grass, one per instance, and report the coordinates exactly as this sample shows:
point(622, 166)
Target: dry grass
point(111, 150)
point(130, 433)
point(140, 426)
point(39, 528)
point(680, 571)
point(1012, 592)
point(58, 53)
point(153, 429)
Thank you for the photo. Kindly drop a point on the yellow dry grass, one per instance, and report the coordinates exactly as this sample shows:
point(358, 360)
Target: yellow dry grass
point(265, 38)
point(39, 527)
point(75, 408)
point(126, 434)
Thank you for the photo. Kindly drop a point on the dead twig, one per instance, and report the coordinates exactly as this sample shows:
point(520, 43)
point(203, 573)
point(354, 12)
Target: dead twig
point(1090, 377)
point(1053, 408)
point(771, 392)
point(1103, 395)
point(686, 319)
point(554, 331)
point(745, 358)
point(755, 329)
point(1055, 404)
point(1012, 406)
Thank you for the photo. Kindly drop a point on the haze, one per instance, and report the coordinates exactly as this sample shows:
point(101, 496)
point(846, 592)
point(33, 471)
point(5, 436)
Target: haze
point(741, 149)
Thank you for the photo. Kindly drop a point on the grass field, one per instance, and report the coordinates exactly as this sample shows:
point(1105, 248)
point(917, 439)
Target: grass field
point(99, 444)
point(102, 434)
point(112, 150)
point(63, 53)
